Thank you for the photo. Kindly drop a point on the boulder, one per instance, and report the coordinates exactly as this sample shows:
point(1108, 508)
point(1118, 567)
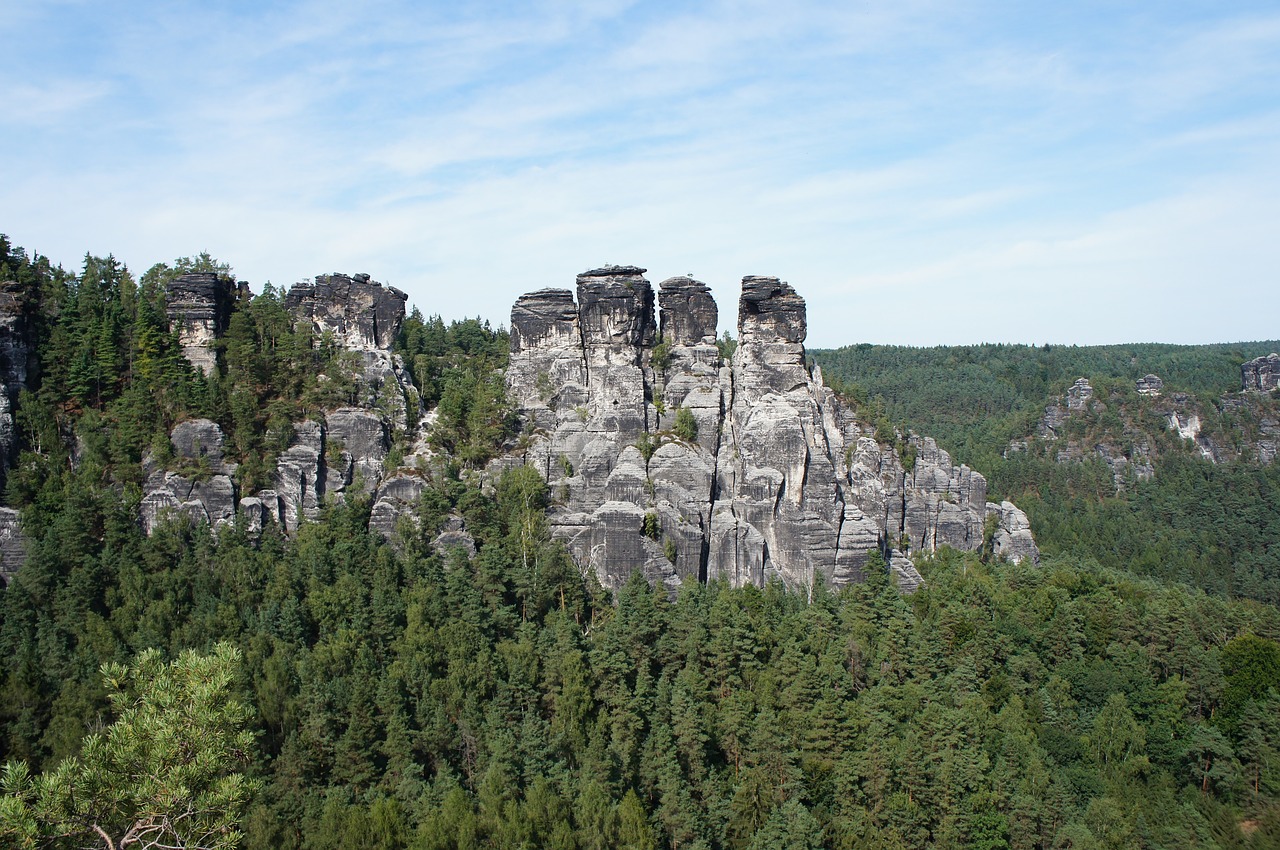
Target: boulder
point(1012, 538)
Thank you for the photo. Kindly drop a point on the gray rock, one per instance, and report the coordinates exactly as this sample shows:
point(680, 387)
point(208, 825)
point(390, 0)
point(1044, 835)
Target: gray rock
point(689, 313)
point(256, 514)
point(1079, 394)
point(199, 306)
point(903, 571)
point(363, 317)
point(211, 501)
point(300, 476)
point(18, 363)
point(1149, 385)
point(780, 482)
point(1013, 538)
point(200, 441)
point(358, 313)
point(396, 499)
point(13, 545)
point(358, 440)
point(770, 311)
point(452, 537)
point(1261, 374)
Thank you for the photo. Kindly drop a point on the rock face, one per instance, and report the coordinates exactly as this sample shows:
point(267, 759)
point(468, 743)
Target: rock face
point(1261, 373)
point(199, 306)
point(360, 314)
point(663, 460)
point(13, 545)
point(201, 488)
point(17, 364)
point(1078, 394)
point(1013, 538)
point(1149, 385)
point(363, 317)
point(343, 450)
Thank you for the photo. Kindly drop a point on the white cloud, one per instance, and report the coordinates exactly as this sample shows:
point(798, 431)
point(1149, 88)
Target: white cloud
point(918, 172)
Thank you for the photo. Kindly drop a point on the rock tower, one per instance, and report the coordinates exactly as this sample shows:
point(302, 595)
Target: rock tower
point(775, 478)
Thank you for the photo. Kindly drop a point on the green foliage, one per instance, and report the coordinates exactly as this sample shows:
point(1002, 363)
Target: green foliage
point(433, 349)
point(727, 346)
point(660, 357)
point(400, 697)
point(1251, 668)
point(647, 444)
point(686, 427)
point(475, 419)
point(457, 369)
point(1213, 526)
point(974, 399)
point(165, 773)
point(404, 699)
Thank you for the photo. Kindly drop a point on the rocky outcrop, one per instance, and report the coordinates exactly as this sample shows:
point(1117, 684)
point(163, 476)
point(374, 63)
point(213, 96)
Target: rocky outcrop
point(1261, 374)
point(396, 502)
point(199, 307)
point(1080, 427)
point(17, 364)
point(201, 487)
point(1012, 538)
point(362, 317)
point(454, 537)
point(1149, 385)
point(13, 545)
point(1079, 394)
point(357, 313)
point(665, 460)
point(1187, 425)
point(340, 451)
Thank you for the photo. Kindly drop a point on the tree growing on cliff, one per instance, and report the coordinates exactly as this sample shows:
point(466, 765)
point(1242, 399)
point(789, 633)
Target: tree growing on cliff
point(686, 426)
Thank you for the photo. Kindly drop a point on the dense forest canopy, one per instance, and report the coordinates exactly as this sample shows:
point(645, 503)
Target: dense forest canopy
point(1213, 526)
point(403, 697)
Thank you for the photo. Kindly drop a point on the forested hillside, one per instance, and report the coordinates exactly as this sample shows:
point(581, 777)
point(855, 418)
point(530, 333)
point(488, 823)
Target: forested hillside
point(1116, 483)
point(401, 696)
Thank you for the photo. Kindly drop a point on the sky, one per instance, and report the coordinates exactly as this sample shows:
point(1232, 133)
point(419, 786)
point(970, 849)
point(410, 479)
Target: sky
point(923, 173)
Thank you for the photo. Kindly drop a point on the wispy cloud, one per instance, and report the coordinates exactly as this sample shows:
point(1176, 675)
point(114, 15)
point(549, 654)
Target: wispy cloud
point(923, 172)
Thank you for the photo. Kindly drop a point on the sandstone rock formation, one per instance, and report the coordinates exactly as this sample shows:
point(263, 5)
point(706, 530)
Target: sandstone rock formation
point(363, 317)
point(199, 306)
point(1012, 538)
point(664, 460)
point(1149, 385)
point(342, 451)
point(1128, 447)
point(1261, 374)
point(1079, 394)
point(13, 545)
point(360, 314)
point(17, 364)
point(201, 487)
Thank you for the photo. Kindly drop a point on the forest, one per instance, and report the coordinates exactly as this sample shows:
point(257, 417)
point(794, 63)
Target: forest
point(335, 690)
point(1214, 526)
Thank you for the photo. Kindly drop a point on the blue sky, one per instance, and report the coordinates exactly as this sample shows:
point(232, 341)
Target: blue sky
point(923, 173)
